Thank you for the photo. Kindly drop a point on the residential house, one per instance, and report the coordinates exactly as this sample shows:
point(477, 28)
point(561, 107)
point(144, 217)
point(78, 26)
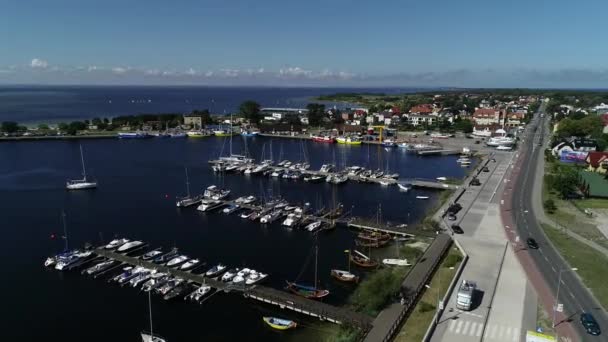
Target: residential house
point(487, 116)
point(194, 121)
point(420, 119)
point(425, 108)
point(604, 118)
point(597, 162)
point(514, 119)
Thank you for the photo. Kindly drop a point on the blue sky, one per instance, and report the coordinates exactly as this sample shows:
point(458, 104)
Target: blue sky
point(333, 42)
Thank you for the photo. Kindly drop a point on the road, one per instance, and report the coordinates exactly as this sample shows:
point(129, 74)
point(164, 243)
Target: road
point(573, 294)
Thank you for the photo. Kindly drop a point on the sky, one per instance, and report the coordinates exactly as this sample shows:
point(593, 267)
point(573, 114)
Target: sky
point(466, 43)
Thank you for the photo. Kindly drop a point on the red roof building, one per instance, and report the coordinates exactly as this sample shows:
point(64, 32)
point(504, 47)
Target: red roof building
point(604, 118)
point(425, 108)
point(594, 159)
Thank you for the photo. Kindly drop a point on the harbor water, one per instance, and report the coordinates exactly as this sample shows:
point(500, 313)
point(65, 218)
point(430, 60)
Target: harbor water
point(139, 181)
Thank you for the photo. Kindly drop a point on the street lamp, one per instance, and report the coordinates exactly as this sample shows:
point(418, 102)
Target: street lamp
point(559, 281)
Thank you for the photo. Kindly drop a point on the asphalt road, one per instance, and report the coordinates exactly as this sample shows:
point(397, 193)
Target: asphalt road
point(573, 294)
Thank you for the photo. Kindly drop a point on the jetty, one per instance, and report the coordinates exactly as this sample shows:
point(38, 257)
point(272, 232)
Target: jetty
point(429, 184)
point(282, 299)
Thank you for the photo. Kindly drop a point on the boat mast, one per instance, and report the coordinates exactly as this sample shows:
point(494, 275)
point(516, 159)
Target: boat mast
point(84, 172)
point(187, 183)
point(150, 310)
point(65, 230)
point(316, 260)
point(231, 134)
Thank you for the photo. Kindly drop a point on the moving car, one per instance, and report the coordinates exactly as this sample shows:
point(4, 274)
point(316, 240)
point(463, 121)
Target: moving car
point(590, 324)
point(451, 217)
point(532, 244)
point(456, 229)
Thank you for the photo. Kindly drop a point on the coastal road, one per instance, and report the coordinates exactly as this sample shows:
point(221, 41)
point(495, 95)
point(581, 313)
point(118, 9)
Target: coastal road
point(573, 294)
point(506, 303)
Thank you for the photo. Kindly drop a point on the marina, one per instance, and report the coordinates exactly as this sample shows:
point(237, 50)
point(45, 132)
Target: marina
point(141, 202)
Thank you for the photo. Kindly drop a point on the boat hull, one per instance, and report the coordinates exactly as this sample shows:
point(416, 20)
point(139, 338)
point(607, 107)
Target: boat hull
point(280, 324)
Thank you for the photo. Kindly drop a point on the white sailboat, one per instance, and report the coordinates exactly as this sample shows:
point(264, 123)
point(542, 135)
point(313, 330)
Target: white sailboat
point(150, 337)
point(81, 184)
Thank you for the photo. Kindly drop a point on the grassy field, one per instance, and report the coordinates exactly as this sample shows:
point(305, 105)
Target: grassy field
point(417, 323)
point(592, 265)
point(593, 203)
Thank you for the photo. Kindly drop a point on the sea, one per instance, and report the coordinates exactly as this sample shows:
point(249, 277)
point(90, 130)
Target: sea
point(50, 104)
point(139, 181)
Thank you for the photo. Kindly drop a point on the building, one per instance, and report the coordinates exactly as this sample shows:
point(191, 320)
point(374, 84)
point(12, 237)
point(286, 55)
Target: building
point(514, 119)
point(425, 108)
point(277, 114)
point(419, 119)
point(195, 121)
point(597, 162)
point(487, 116)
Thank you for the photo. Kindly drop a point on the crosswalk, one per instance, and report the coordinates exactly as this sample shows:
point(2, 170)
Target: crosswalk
point(493, 332)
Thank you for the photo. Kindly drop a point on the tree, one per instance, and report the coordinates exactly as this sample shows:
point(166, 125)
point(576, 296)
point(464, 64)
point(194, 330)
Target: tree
point(550, 206)
point(10, 127)
point(316, 113)
point(63, 126)
point(565, 181)
point(43, 127)
point(250, 110)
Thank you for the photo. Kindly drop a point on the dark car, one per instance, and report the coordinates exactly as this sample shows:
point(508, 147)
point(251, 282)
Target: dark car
point(454, 208)
point(477, 141)
point(456, 229)
point(485, 169)
point(475, 182)
point(532, 243)
point(590, 324)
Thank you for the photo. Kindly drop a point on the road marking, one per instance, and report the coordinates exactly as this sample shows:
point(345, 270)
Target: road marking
point(492, 331)
point(516, 334)
point(451, 325)
point(571, 294)
point(458, 327)
point(508, 332)
point(479, 330)
point(465, 329)
point(501, 331)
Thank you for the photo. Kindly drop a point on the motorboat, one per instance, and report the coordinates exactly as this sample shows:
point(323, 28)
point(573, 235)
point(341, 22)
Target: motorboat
point(259, 169)
point(504, 148)
point(323, 139)
point(339, 179)
point(215, 270)
point(127, 271)
point(209, 204)
point(231, 167)
point(200, 292)
point(292, 220)
point(314, 179)
point(162, 259)
point(276, 173)
point(177, 291)
point(116, 243)
point(384, 182)
point(279, 323)
point(326, 168)
point(441, 179)
point(190, 264)
point(141, 277)
point(231, 273)
point(134, 135)
point(102, 266)
point(344, 276)
point(273, 216)
point(247, 214)
point(351, 140)
point(129, 246)
point(500, 141)
point(151, 254)
point(241, 276)
point(156, 280)
point(389, 143)
point(168, 286)
point(255, 277)
point(282, 163)
point(311, 227)
point(68, 260)
point(195, 134)
point(81, 184)
point(404, 187)
point(422, 197)
point(231, 208)
point(396, 262)
point(189, 201)
point(178, 260)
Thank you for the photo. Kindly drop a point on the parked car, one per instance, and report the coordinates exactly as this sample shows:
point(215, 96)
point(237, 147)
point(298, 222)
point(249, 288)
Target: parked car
point(485, 169)
point(451, 217)
point(532, 244)
point(475, 181)
point(590, 324)
point(456, 229)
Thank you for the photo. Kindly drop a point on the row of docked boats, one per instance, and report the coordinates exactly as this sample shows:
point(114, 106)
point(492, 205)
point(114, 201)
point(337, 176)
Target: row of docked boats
point(343, 139)
point(177, 133)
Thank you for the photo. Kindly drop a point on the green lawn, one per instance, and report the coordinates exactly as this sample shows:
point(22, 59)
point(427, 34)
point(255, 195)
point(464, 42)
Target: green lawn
point(417, 323)
point(593, 203)
point(592, 265)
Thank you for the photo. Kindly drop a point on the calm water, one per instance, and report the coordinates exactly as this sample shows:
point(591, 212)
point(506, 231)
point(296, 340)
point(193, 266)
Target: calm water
point(54, 104)
point(138, 182)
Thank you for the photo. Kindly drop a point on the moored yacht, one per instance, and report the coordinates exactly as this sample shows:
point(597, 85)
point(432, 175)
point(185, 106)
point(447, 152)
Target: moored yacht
point(129, 246)
point(209, 204)
point(180, 259)
point(231, 273)
point(116, 243)
point(215, 270)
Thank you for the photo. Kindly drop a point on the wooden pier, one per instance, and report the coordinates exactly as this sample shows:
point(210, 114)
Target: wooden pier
point(429, 184)
point(282, 299)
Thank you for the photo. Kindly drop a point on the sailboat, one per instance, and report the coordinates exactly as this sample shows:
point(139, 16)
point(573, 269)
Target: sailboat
point(362, 260)
point(81, 184)
point(396, 261)
point(234, 158)
point(188, 200)
point(345, 276)
point(150, 337)
point(310, 292)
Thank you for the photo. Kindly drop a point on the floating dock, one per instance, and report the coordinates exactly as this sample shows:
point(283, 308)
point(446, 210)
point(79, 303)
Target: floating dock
point(282, 299)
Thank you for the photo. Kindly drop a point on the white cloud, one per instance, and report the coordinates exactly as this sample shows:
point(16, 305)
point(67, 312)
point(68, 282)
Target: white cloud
point(92, 68)
point(152, 72)
point(230, 72)
point(294, 71)
point(119, 70)
point(38, 63)
point(191, 72)
point(209, 73)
